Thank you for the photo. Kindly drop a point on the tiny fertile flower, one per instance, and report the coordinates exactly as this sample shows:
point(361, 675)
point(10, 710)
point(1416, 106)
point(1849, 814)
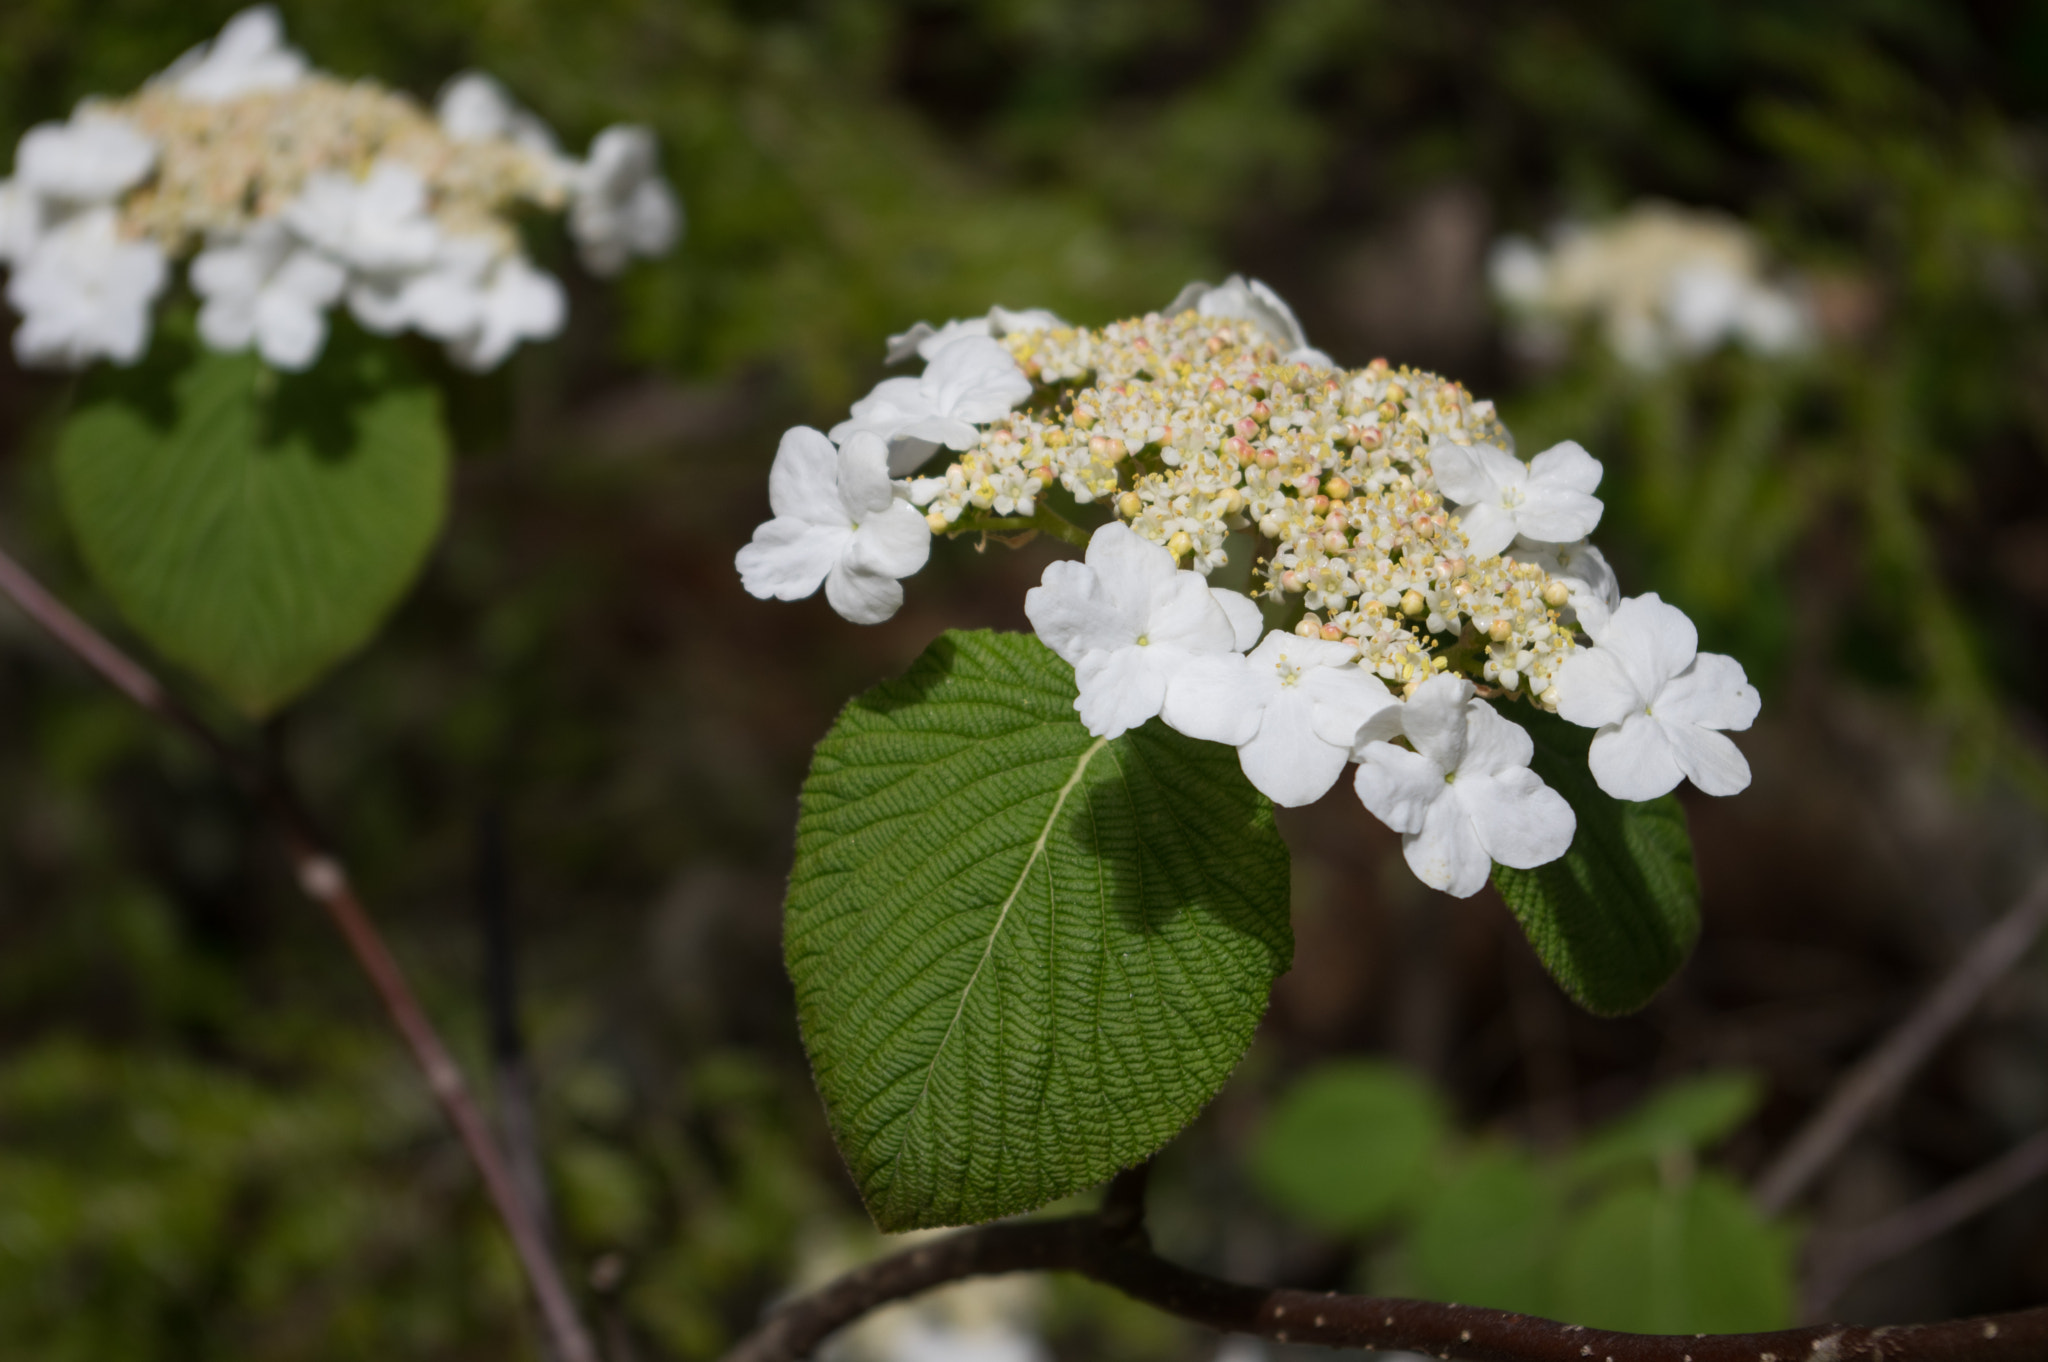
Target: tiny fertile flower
point(925, 341)
point(973, 379)
point(1249, 300)
point(95, 158)
point(1549, 499)
point(838, 521)
point(84, 294)
point(1584, 570)
point(1657, 702)
point(1465, 796)
point(269, 289)
point(1293, 709)
point(622, 206)
point(248, 55)
point(1131, 622)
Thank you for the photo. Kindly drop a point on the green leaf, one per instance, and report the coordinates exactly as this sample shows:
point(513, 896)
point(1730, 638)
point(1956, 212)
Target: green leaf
point(256, 527)
point(1488, 1235)
point(1024, 957)
point(1682, 1118)
point(1349, 1145)
point(1692, 1258)
point(1616, 915)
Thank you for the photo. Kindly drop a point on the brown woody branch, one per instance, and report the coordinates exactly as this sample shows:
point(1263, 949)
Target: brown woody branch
point(322, 878)
point(1116, 1255)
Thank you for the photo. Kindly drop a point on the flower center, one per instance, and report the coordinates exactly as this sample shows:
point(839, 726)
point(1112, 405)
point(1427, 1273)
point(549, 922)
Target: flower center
point(1144, 640)
point(1511, 497)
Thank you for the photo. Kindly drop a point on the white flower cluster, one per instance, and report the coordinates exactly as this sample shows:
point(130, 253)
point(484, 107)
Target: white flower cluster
point(1662, 282)
point(1433, 570)
point(294, 191)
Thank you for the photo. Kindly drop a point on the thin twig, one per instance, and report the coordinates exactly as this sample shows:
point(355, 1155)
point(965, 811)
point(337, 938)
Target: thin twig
point(1083, 1245)
point(1877, 1078)
point(321, 877)
point(1841, 1257)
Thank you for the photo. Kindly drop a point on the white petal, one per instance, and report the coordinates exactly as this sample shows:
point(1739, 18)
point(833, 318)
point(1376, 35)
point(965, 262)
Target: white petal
point(1215, 697)
point(1568, 467)
point(975, 379)
point(1185, 615)
point(1072, 615)
point(1520, 821)
point(1434, 719)
point(228, 321)
point(803, 482)
point(934, 430)
point(1119, 691)
point(1130, 565)
point(1243, 613)
point(1654, 642)
point(1556, 513)
point(789, 558)
point(1447, 853)
point(1493, 743)
point(862, 597)
point(1397, 786)
point(1488, 528)
point(1710, 760)
point(863, 477)
point(1467, 476)
point(892, 543)
point(1345, 699)
point(289, 332)
point(1594, 689)
point(1713, 693)
point(1286, 761)
point(1634, 761)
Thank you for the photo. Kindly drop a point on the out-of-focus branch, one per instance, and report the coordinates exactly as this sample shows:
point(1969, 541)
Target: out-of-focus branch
point(1877, 1078)
point(322, 878)
point(1841, 1257)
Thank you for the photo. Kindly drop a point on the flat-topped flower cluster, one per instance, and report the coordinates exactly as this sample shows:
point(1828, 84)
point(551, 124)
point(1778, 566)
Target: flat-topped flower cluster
point(1421, 570)
point(294, 191)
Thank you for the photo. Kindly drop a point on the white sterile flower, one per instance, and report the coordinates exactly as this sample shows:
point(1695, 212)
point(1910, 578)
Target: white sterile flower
point(1465, 796)
point(93, 159)
point(1595, 590)
point(971, 381)
point(377, 226)
point(839, 521)
point(474, 107)
point(925, 1340)
point(84, 293)
point(925, 341)
point(517, 303)
point(622, 206)
point(270, 289)
point(1132, 623)
point(1549, 499)
point(1657, 701)
point(248, 55)
point(1293, 709)
point(1249, 300)
point(21, 221)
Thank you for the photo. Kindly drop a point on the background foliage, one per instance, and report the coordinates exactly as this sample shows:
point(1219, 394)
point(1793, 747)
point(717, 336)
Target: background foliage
point(208, 1148)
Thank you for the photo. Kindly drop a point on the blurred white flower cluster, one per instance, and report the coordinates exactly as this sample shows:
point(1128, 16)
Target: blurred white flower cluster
point(294, 191)
point(990, 1319)
point(1661, 282)
point(1426, 570)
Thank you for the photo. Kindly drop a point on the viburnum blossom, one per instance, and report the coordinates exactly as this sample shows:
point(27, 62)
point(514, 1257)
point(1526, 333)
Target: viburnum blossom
point(1462, 795)
point(839, 522)
point(273, 176)
point(970, 381)
point(1131, 623)
point(1548, 499)
point(1427, 582)
point(1659, 704)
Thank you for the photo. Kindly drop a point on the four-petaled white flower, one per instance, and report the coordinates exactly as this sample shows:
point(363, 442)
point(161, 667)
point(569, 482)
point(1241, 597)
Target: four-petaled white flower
point(1292, 709)
point(1465, 796)
point(972, 381)
point(925, 341)
point(84, 293)
point(1657, 702)
point(269, 289)
point(1549, 499)
point(377, 226)
point(1249, 300)
point(93, 159)
point(839, 521)
point(248, 55)
point(475, 107)
point(1131, 622)
point(622, 205)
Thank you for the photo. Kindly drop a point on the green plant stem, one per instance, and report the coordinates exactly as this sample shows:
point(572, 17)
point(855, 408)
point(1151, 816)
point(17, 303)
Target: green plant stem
point(322, 878)
point(1044, 521)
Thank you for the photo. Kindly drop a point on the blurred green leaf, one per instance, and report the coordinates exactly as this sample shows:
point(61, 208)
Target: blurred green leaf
point(1488, 1235)
point(1691, 1258)
point(256, 527)
point(1024, 957)
point(1685, 1117)
point(1349, 1145)
point(1616, 915)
